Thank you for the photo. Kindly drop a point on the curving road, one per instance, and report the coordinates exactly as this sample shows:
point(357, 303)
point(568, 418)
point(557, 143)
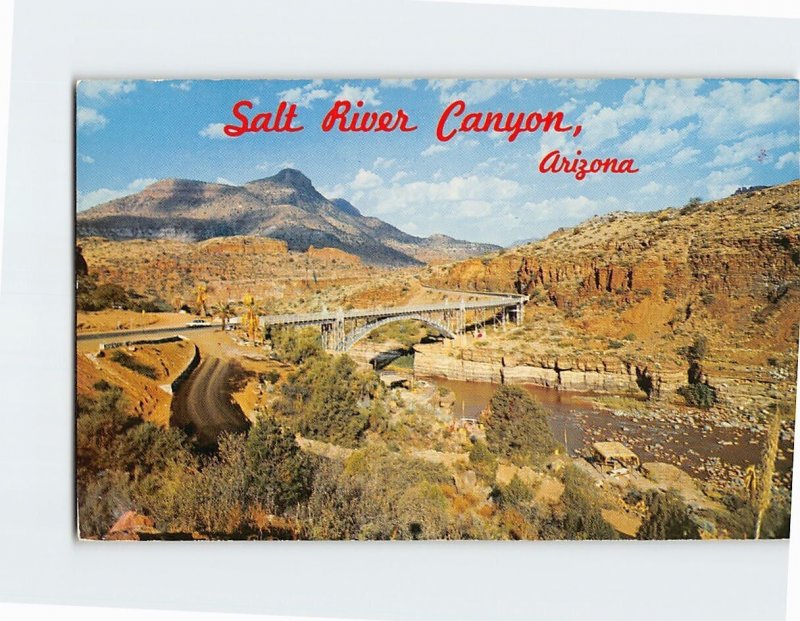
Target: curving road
point(202, 405)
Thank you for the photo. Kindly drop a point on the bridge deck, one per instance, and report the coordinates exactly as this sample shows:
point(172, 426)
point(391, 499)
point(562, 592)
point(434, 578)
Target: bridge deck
point(393, 311)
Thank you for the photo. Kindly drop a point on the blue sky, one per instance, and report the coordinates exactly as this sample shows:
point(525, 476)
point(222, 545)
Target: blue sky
point(688, 138)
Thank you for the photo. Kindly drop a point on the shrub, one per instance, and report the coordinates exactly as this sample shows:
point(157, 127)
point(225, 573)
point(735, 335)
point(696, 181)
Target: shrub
point(483, 461)
point(376, 494)
point(581, 514)
point(129, 362)
point(278, 475)
point(697, 351)
point(325, 397)
point(517, 427)
point(698, 395)
point(295, 346)
point(692, 205)
point(515, 495)
point(669, 518)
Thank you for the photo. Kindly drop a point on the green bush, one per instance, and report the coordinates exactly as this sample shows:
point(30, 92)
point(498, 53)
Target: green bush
point(93, 297)
point(483, 461)
point(581, 518)
point(668, 518)
point(699, 395)
point(698, 350)
point(692, 205)
point(278, 475)
point(517, 427)
point(294, 345)
point(377, 494)
point(515, 495)
point(129, 362)
point(122, 462)
point(328, 399)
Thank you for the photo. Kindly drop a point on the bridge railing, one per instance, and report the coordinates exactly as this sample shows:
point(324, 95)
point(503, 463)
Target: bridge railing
point(395, 311)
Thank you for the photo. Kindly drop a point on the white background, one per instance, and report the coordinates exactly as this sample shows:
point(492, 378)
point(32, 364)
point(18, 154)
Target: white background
point(40, 561)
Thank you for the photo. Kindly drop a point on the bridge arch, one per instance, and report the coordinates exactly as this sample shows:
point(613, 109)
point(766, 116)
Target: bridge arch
point(361, 332)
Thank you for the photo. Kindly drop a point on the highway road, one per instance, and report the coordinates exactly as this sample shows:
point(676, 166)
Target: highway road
point(203, 406)
point(128, 335)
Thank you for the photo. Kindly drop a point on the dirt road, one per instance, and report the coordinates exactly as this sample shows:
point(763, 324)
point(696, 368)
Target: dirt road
point(203, 406)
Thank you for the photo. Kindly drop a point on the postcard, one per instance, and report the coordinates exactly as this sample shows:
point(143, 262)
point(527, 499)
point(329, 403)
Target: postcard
point(317, 309)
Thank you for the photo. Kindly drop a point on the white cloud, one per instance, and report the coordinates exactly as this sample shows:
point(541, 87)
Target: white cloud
point(685, 156)
point(365, 179)
point(433, 150)
point(475, 209)
point(653, 140)
point(305, 96)
point(787, 159)
point(215, 131)
point(603, 123)
point(86, 159)
point(721, 183)
point(496, 165)
point(735, 108)
point(108, 88)
point(399, 176)
point(442, 195)
point(572, 208)
point(650, 188)
point(224, 181)
point(382, 162)
point(750, 148)
point(102, 195)
point(368, 95)
point(185, 85)
point(89, 118)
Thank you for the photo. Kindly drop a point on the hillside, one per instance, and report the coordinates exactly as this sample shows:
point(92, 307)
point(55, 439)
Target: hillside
point(626, 292)
point(285, 207)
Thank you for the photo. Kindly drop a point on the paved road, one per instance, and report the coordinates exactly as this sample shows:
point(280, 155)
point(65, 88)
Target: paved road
point(138, 332)
point(203, 407)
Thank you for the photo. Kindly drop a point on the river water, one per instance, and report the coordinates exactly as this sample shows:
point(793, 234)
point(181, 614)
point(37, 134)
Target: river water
point(719, 453)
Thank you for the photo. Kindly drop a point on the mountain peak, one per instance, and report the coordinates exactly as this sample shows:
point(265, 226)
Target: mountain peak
point(292, 177)
point(285, 206)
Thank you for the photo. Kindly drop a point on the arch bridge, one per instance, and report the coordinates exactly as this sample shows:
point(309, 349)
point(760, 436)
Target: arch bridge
point(340, 330)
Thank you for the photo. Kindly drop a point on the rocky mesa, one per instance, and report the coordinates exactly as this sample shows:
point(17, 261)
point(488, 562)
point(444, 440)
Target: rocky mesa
point(616, 300)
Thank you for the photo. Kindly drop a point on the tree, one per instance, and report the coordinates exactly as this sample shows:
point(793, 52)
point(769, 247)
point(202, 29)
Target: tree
point(697, 390)
point(327, 396)
point(668, 518)
point(693, 204)
point(482, 461)
point(279, 475)
point(517, 427)
point(224, 311)
point(295, 345)
point(582, 518)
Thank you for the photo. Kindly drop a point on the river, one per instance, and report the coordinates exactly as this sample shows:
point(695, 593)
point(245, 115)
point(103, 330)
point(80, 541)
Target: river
point(716, 453)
